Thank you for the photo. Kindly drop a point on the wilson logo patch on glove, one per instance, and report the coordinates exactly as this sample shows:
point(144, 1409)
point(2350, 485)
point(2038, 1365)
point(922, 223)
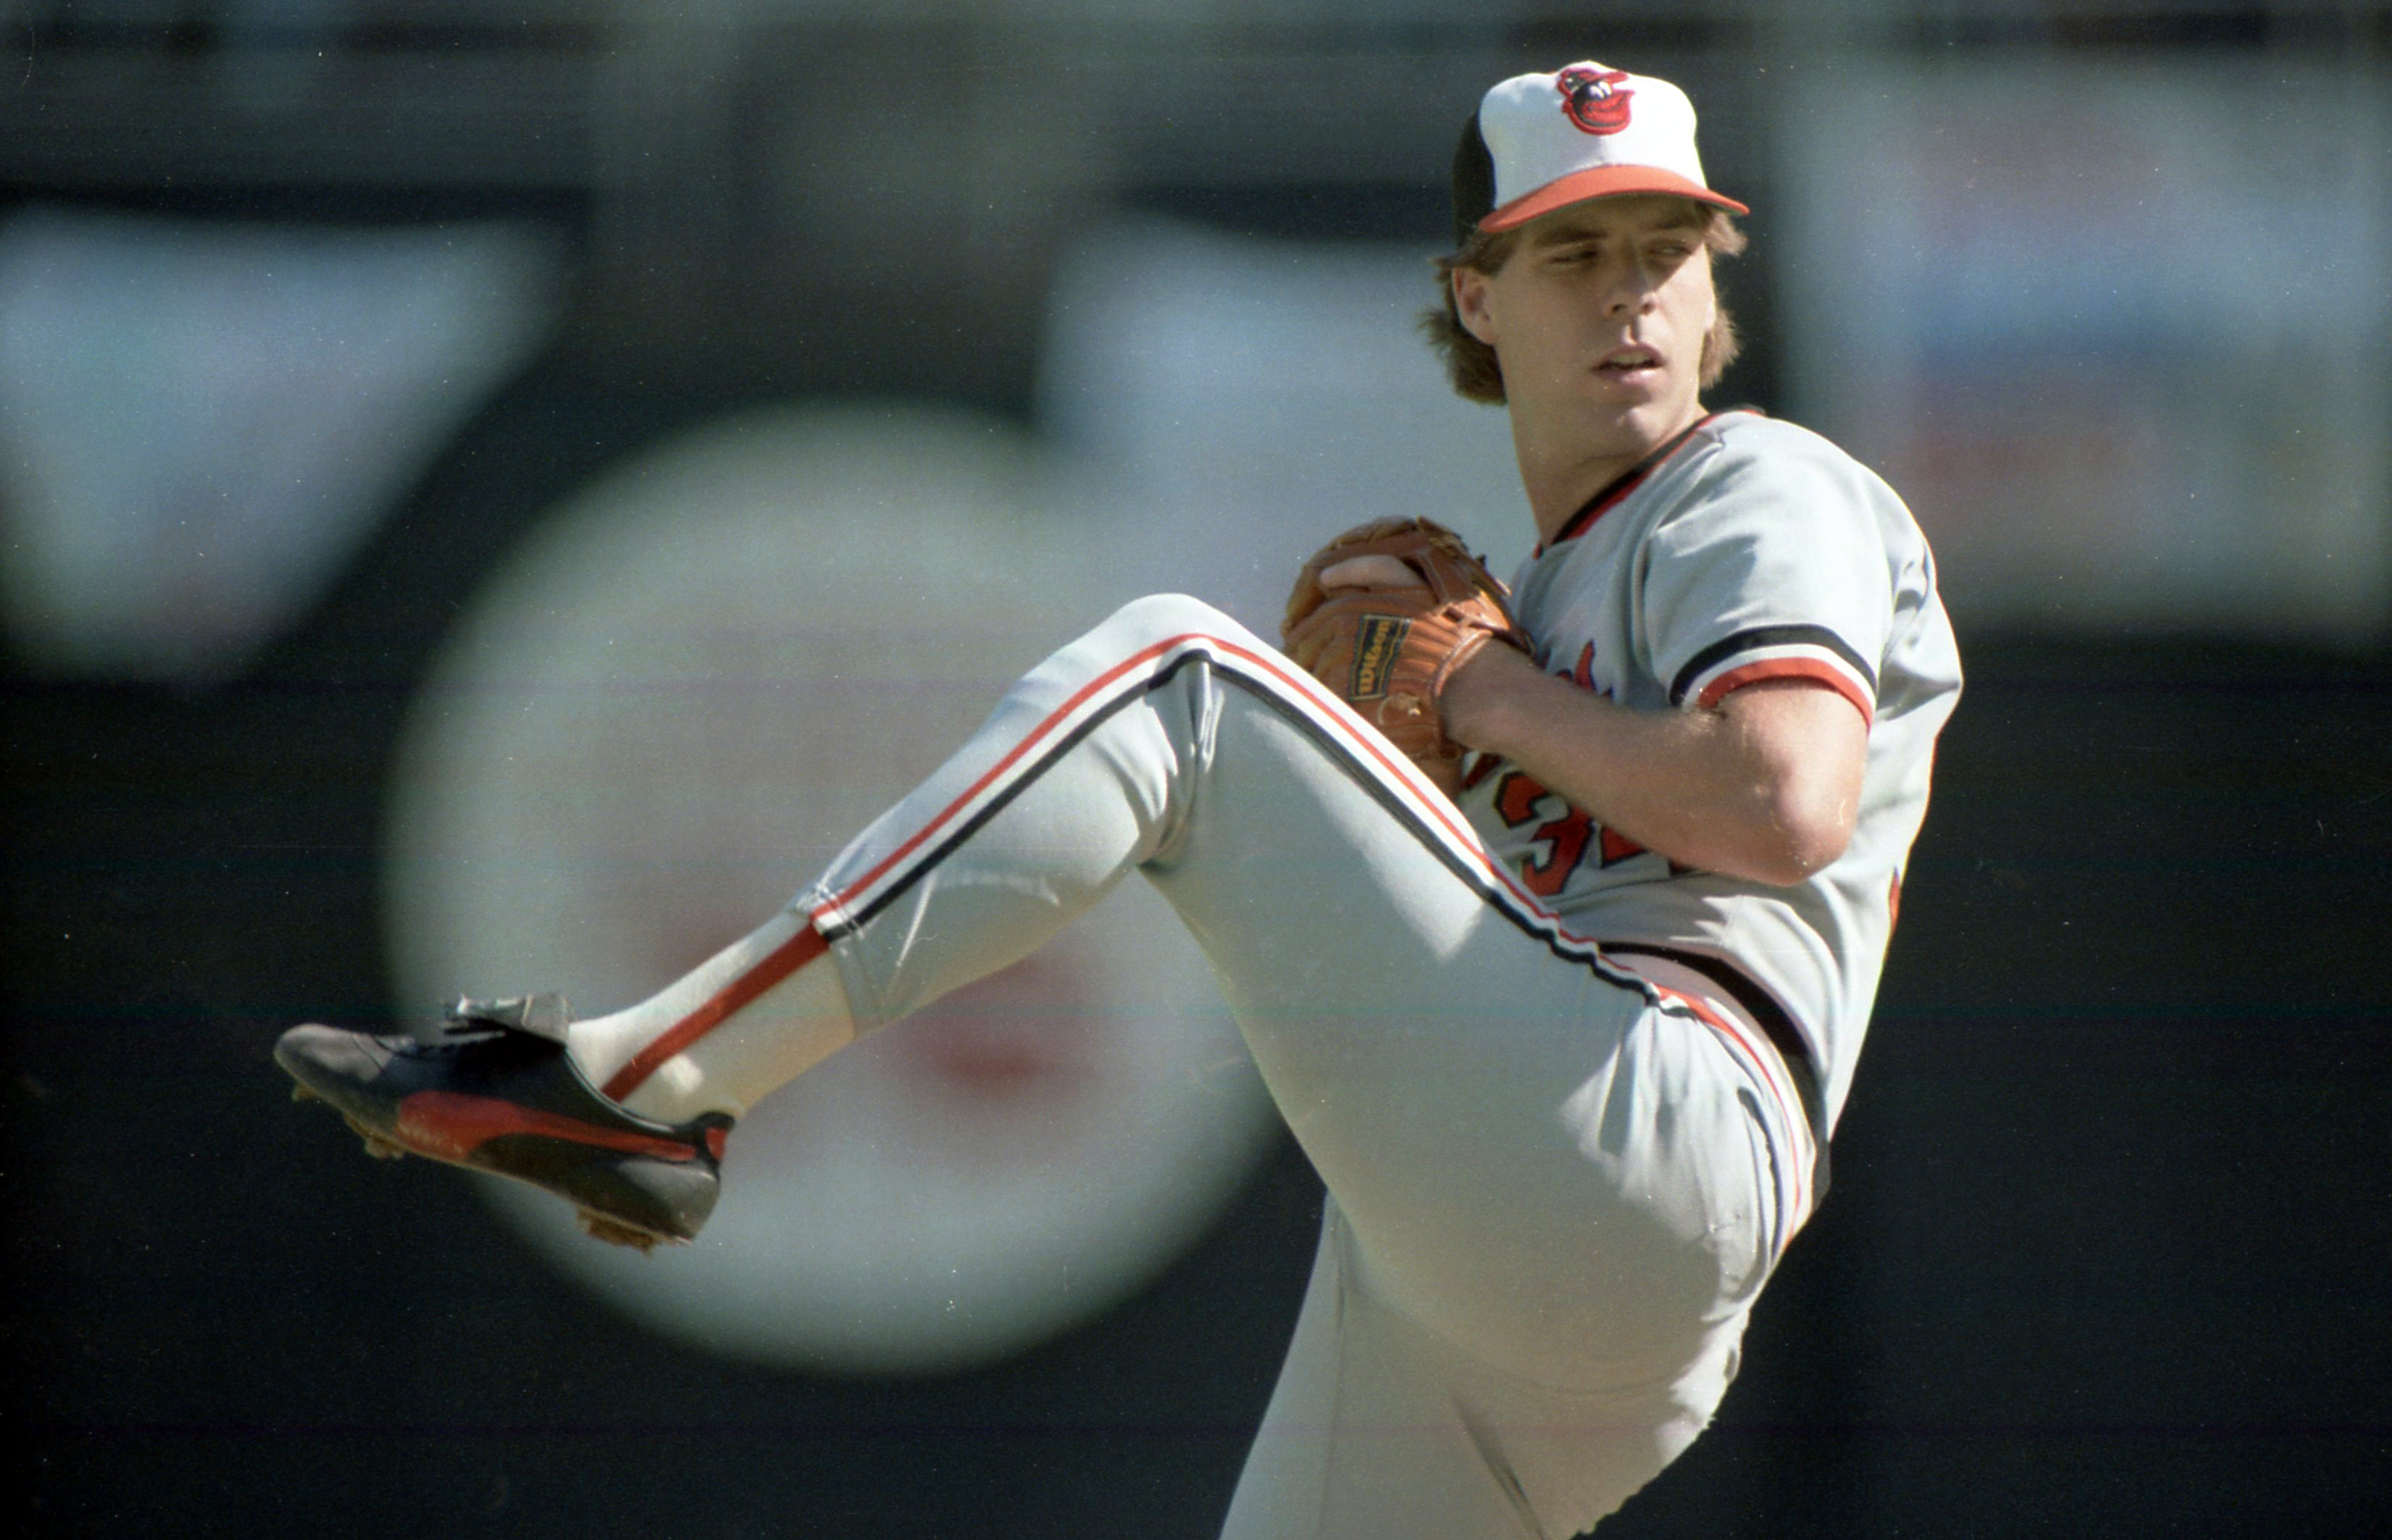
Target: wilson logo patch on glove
point(1378, 642)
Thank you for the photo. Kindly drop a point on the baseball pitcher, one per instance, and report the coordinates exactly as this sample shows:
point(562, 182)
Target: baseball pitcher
point(1552, 915)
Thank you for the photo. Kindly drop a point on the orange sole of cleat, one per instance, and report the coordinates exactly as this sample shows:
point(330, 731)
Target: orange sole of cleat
point(301, 1093)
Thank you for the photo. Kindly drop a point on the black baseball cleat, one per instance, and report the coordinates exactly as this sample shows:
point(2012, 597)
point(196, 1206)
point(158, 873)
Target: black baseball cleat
point(499, 1093)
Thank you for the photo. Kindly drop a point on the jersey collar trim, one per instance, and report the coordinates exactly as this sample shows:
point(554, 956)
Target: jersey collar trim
point(1627, 481)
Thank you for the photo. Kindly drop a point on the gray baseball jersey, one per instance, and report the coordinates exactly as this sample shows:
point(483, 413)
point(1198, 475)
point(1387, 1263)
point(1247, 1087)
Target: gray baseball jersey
point(1744, 550)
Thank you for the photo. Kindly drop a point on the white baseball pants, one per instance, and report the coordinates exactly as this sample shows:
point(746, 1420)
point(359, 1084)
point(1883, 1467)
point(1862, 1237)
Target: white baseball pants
point(1555, 1188)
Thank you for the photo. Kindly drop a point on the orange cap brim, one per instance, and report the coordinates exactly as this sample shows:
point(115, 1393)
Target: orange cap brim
point(1602, 182)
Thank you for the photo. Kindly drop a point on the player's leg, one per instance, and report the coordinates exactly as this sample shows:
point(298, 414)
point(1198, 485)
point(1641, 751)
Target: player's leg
point(1526, 1303)
point(762, 1013)
point(1379, 1428)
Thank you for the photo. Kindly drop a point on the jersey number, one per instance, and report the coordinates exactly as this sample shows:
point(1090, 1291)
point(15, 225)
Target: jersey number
point(1565, 838)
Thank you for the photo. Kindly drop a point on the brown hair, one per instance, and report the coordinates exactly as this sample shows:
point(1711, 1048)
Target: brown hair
point(1471, 365)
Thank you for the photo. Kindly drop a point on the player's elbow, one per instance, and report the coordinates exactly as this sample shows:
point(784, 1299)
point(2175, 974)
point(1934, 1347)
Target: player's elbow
point(1802, 859)
point(1794, 834)
point(1807, 839)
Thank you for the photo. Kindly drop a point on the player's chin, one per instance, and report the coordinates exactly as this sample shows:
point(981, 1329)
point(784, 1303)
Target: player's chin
point(1632, 418)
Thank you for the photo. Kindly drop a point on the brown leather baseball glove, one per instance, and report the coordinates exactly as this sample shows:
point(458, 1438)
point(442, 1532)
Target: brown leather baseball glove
point(1383, 615)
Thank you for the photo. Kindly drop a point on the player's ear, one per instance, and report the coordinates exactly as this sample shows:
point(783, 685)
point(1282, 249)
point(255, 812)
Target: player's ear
point(1471, 304)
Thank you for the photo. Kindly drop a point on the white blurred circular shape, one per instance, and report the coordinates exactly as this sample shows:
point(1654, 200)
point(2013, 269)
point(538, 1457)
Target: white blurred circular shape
point(655, 725)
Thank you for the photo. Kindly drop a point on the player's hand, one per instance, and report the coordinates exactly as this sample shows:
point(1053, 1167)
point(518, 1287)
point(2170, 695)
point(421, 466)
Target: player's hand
point(1385, 615)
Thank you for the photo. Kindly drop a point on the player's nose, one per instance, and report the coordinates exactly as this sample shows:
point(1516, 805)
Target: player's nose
point(1629, 301)
point(1631, 292)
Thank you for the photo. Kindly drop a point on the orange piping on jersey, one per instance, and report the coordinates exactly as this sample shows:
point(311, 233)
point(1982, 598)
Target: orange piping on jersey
point(1790, 668)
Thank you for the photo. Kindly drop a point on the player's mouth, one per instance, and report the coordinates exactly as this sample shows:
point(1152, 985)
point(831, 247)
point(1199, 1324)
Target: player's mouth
point(1629, 362)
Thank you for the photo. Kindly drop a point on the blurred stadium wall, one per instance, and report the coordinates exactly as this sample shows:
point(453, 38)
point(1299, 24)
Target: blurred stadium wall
point(324, 324)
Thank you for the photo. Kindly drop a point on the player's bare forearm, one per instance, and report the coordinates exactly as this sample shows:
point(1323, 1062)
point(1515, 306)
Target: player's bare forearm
point(1765, 787)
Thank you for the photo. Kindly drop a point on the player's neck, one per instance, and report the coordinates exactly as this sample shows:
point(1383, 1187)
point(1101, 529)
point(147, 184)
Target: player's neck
point(1563, 471)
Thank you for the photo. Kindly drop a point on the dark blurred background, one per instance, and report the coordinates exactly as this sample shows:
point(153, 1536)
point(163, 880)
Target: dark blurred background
point(313, 311)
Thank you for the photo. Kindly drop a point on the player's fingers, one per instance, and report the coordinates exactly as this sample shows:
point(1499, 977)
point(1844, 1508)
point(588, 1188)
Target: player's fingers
point(1377, 570)
point(1327, 630)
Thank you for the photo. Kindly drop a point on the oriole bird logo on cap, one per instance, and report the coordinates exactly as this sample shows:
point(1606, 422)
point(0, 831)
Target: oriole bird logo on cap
point(1594, 99)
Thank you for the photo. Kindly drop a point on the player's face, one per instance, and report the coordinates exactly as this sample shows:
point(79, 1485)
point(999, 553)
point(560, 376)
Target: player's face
point(1598, 319)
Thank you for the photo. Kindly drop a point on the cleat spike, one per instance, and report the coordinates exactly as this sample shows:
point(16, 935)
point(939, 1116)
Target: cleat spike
point(599, 1227)
point(301, 1093)
point(377, 1144)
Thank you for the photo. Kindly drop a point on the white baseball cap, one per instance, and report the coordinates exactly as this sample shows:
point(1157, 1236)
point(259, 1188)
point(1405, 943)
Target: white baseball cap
point(1541, 142)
